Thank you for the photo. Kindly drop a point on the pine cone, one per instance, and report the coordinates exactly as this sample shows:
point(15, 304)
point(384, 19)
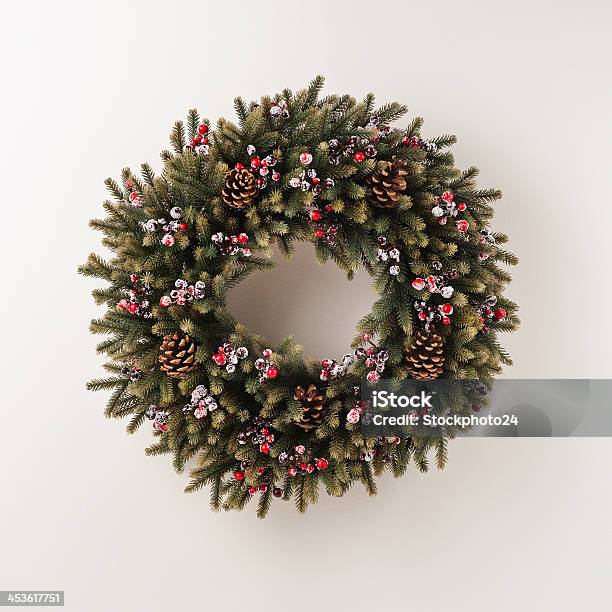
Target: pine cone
point(240, 188)
point(426, 356)
point(177, 355)
point(388, 185)
point(312, 402)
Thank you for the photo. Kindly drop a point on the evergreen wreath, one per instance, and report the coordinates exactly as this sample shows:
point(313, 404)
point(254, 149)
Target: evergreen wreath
point(259, 421)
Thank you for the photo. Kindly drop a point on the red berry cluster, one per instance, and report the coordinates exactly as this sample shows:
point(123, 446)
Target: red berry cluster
point(245, 471)
point(331, 369)
point(308, 180)
point(199, 143)
point(268, 370)
point(133, 195)
point(354, 414)
point(258, 433)
point(488, 313)
point(232, 245)
point(416, 142)
point(261, 166)
point(229, 356)
point(169, 227)
point(357, 148)
point(183, 293)
point(437, 283)
point(137, 303)
point(158, 416)
point(373, 357)
point(132, 371)
point(324, 224)
point(430, 315)
point(299, 463)
point(488, 242)
point(445, 208)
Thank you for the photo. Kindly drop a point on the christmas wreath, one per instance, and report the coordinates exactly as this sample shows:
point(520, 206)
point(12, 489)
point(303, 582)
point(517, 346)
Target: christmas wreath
point(260, 421)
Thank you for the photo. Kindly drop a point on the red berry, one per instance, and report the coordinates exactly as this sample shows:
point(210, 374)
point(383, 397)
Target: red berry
point(204, 141)
point(239, 166)
point(319, 233)
point(303, 465)
point(264, 431)
point(163, 427)
point(463, 226)
point(310, 468)
point(315, 215)
point(418, 284)
point(264, 447)
point(133, 308)
point(292, 471)
point(422, 316)
point(219, 358)
point(446, 321)
point(132, 196)
point(461, 206)
point(322, 464)
point(182, 227)
point(329, 208)
point(243, 238)
point(316, 180)
point(202, 128)
point(359, 156)
point(252, 490)
point(196, 141)
point(447, 308)
point(239, 475)
point(263, 487)
point(261, 471)
point(500, 314)
point(255, 162)
point(272, 372)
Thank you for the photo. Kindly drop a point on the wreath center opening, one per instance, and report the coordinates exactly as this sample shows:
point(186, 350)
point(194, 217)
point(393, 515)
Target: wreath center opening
point(299, 297)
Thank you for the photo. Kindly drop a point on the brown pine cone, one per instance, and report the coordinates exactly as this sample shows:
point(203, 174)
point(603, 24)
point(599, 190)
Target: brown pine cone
point(426, 356)
point(177, 355)
point(387, 185)
point(312, 403)
point(240, 188)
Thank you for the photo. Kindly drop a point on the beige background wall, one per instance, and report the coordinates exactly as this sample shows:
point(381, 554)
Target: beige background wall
point(510, 524)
